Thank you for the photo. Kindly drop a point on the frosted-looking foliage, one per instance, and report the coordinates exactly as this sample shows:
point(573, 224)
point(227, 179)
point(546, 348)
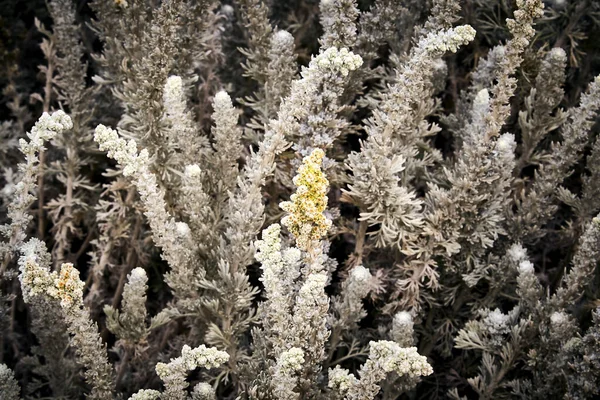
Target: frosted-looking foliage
point(278, 200)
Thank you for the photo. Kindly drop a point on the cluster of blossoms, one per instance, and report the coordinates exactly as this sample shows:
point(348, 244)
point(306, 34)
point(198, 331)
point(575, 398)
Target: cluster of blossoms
point(305, 217)
point(341, 60)
point(425, 230)
point(68, 288)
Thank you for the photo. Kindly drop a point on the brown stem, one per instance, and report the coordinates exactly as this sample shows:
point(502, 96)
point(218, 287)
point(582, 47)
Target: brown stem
point(85, 245)
point(62, 249)
point(130, 262)
point(360, 241)
point(47, 100)
point(122, 368)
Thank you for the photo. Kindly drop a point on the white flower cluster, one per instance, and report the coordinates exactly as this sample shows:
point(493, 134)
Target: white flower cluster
point(288, 365)
point(124, 152)
point(46, 128)
point(361, 276)
point(526, 267)
point(402, 360)
point(517, 253)
point(138, 277)
point(449, 40)
point(174, 373)
point(203, 391)
point(341, 380)
point(384, 357)
point(341, 60)
point(282, 40)
point(496, 322)
point(559, 318)
point(280, 269)
point(146, 394)
point(180, 122)
point(192, 171)
point(9, 388)
point(402, 329)
point(173, 96)
point(190, 359)
point(35, 274)
point(505, 146)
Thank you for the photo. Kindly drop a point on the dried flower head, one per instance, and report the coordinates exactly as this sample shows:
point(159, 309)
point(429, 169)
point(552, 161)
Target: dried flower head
point(68, 288)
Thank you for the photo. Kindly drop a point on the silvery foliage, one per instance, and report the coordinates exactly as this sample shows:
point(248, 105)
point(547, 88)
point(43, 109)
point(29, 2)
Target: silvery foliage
point(232, 207)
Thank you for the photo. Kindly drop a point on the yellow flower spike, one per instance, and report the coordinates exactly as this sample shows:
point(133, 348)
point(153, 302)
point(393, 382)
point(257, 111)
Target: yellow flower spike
point(305, 219)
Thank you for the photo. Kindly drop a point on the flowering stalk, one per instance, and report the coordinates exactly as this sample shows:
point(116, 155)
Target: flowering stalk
point(67, 289)
point(173, 237)
point(46, 128)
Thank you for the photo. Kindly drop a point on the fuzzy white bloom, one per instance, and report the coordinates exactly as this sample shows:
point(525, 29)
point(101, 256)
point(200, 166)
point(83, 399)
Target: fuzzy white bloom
point(192, 171)
point(403, 318)
point(35, 274)
point(481, 103)
point(174, 373)
point(283, 39)
point(146, 394)
point(341, 380)
point(227, 10)
point(310, 317)
point(360, 274)
point(385, 357)
point(449, 40)
point(341, 60)
point(183, 230)
point(203, 391)
point(124, 152)
point(402, 328)
point(526, 267)
point(496, 322)
point(291, 360)
point(403, 361)
point(138, 276)
point(180, 126)
point(46, 128)
point(222, 100)
point(506, 145)
point(285, 372)
point(9, 388)
point(517, 253)
point(312, 288)
point(173, 94)
point(559, 318)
